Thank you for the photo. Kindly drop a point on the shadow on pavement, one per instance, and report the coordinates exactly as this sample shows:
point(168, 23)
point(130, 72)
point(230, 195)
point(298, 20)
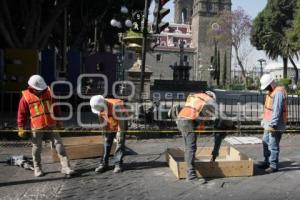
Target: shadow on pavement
point(283, 166)
point(41, 179)
point(144, 165)
point(289, 166)
point(129, 151)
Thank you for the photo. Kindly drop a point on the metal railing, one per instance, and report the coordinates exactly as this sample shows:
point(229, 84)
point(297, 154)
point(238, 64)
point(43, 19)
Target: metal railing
point(244, 110)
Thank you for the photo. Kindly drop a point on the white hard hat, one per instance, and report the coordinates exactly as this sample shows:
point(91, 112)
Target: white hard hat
point(211, 94)
point(37, 82)
point(96, 103)
point(265, 81)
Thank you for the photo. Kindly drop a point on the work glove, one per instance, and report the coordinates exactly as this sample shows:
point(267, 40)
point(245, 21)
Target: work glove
point(270, 129)
point(262, 124)
point(21, 132)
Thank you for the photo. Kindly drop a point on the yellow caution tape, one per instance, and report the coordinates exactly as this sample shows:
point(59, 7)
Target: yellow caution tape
point(146, 131)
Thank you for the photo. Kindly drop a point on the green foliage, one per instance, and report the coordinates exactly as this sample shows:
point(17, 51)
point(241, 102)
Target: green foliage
point(294, 32)
point(285, 82)
point(38, 24)
point(133, 34)
point(237, 87)
point(218, 68)
point(215, 62)
point(225, 68)
point(251, 84)
point(270, 29)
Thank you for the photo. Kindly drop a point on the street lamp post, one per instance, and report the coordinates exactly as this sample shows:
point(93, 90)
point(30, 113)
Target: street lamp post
point(210, 70)
point(261, 61)
point(123, 23)
point(145, 34)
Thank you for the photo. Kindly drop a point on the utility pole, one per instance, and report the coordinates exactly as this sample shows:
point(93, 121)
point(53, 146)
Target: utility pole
point(261, 68)
point(144, 50)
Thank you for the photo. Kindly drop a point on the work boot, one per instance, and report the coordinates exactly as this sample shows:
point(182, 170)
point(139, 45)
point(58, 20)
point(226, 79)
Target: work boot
point(38, 172)
point(101, 168)
point(196, 181)
point(68, 171)
point(192, 177)
point(213, 158)
point(118, 169)
point(263, 165)
point(271, 170)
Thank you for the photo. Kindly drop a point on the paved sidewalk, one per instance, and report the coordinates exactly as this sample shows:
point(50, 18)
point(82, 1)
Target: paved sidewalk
point(148, 177)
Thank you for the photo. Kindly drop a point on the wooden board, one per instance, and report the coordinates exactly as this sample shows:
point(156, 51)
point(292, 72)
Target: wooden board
point(230, 163)
point(82, 147)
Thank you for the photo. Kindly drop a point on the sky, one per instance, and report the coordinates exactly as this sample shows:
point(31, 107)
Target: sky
point(251, 7)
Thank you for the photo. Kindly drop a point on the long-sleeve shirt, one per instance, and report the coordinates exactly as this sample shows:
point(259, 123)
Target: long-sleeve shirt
point(277, 121)
point(24, 114)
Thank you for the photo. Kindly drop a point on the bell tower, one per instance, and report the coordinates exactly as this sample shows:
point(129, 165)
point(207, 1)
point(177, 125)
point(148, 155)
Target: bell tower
point(204, 14)
point(183, 11)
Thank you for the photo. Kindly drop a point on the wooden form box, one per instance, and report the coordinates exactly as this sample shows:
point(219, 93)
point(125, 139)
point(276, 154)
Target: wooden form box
point(230, 163)
point(82, 147)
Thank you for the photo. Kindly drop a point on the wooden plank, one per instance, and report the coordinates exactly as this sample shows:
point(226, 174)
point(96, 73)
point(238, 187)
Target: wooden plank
point(82, 147)
point(177, 154)
point(224, 168)
point(82, 140)
point(230, 165)
point(174, 166)
point(206, 151)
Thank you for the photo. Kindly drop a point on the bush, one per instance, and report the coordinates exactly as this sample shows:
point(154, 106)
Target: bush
point(285, 82)
point(237, 87)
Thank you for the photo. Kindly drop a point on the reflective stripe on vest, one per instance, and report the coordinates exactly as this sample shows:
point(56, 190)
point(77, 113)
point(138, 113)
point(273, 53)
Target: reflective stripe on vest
point(112, 123)
point(40, 109)
point(268, 108)
point(194, 105)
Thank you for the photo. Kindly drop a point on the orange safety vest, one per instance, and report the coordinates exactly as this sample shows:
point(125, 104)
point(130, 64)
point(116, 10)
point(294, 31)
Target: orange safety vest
point(193, 107)
point(108, 116)
point(268, 108)
point(40, 109)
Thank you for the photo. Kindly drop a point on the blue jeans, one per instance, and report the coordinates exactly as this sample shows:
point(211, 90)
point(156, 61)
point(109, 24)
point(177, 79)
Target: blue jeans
point(120, 144)
point(271, 148)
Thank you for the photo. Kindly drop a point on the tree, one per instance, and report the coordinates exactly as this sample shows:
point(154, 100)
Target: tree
point(36, 24)
point(28, 24)
point(224, 69)
point(270, 30)
point(234, 29)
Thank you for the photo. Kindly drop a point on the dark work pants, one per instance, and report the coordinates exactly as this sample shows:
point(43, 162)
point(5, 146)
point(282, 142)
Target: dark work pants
point(186, 127)
point(218, 137)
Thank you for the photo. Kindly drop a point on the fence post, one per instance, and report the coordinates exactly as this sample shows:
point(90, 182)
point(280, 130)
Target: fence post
point(239, 116)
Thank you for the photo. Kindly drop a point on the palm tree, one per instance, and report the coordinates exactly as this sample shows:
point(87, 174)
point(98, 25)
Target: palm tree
point(278, 45)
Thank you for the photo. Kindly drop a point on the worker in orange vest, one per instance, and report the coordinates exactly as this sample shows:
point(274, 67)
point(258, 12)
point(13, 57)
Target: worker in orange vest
point(112, 117)
point(274, 122)
point(198, 109)
point(36, 102)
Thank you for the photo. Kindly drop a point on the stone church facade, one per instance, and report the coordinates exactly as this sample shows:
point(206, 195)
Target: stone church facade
point(201, 15)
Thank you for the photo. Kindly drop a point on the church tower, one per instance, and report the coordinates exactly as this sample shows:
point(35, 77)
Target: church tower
point(183, 11)
point(204, 14)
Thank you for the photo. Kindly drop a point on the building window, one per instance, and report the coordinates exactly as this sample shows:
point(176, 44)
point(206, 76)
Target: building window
point(130, 56)
point(185, 58)
point(208, 6)
point(158, 57)
point(221, 7)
